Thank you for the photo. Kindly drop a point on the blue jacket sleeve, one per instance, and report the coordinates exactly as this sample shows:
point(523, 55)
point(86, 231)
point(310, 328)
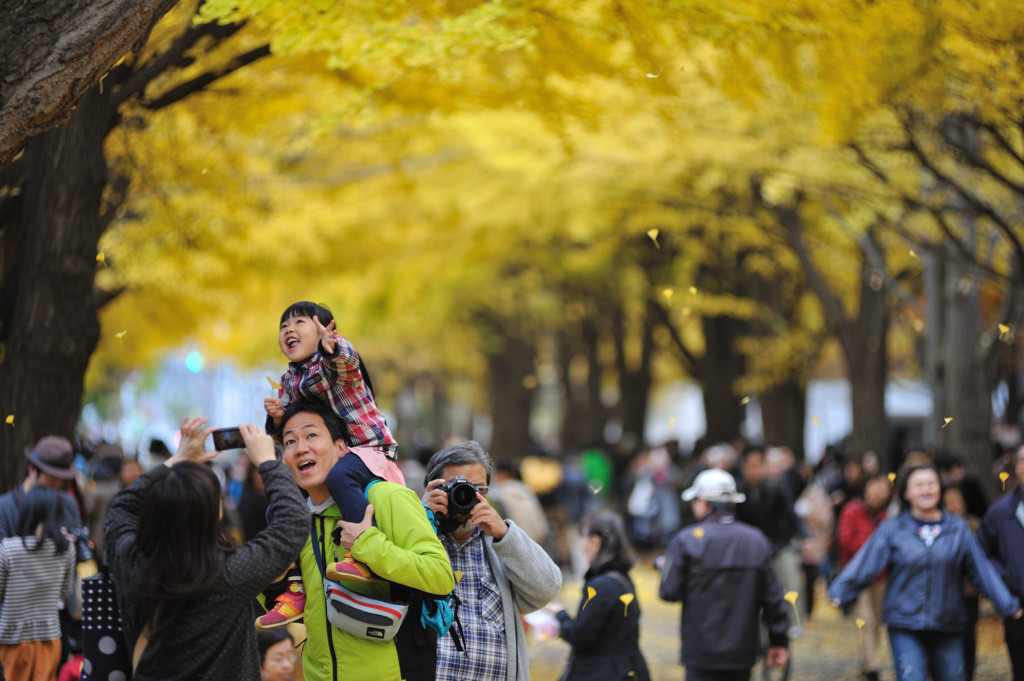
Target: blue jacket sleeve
point(984, 575)
point(866, 565)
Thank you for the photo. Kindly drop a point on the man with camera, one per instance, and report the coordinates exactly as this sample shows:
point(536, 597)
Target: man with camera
point(504, 573)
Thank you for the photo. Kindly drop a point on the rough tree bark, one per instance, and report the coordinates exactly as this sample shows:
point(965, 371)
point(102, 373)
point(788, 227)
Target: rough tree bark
point(53, 326)
point(52, 216)
point(52, 53)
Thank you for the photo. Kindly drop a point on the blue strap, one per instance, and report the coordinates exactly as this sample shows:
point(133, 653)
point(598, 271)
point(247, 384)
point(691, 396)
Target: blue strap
point(315, 540)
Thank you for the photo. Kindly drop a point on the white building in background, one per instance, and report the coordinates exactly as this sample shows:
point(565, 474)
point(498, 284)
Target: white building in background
point(677, 412)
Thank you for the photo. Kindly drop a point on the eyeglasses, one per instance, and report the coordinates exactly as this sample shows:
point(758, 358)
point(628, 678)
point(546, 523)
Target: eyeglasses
point(483, 489)
point(281, 659)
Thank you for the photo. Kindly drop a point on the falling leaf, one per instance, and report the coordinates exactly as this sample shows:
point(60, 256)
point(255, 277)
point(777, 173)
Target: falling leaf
point(745, 401)
point(693, 290)
point(1003, 477)
point(120, 335)
point(913, 254)
point(273, 384)
point(10, 419)
point(671, 423)
point(791, 597)
point(815, 420)
point(667, 293)
point(655, 75)
point(626, 599)
point(596, 489)
point(860, 623)
point(653, 233)
point(699, 533)
point(892, 478)
point(591, 592)
point(946, 421)
point(1003, 329)
point(101, 259)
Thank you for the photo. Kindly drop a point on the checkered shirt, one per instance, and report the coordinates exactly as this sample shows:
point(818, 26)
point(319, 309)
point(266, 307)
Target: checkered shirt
point(336, 380)
point(481, 614)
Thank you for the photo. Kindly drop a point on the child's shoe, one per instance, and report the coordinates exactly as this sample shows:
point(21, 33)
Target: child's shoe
point(288, 607)
point(348, 569)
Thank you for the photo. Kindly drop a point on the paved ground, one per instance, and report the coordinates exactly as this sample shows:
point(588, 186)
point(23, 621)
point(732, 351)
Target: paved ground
point(826, 652)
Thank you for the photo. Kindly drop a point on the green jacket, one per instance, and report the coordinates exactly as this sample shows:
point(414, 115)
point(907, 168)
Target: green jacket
point(402, 548)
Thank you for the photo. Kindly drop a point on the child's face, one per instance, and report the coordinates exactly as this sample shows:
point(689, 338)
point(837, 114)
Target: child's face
point(298, 338)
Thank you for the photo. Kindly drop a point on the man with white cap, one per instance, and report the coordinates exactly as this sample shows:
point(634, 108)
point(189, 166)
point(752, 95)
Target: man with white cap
point(49, 463)
point(721, 570)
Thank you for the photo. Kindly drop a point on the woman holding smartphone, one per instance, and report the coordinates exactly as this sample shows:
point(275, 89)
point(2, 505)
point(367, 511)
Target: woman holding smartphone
point(184, 590)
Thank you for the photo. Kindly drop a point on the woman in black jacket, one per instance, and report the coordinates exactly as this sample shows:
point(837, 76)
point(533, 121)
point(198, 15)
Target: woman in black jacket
point(605, 636)
point(183, 589)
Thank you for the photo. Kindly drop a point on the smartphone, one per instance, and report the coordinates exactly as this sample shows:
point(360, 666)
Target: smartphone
point(227, 438)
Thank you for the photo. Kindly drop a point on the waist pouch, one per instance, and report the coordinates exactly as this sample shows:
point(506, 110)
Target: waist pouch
point(373, 619)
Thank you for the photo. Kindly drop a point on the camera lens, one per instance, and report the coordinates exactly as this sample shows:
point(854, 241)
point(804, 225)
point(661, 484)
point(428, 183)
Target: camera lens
point(462, 497)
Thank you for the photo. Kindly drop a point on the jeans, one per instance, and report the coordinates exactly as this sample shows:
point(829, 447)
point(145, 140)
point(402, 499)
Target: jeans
point(918, 654)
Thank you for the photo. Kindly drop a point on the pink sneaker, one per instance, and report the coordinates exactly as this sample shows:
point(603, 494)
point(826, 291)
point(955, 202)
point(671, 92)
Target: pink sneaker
point(348, 569)
point(288, 607)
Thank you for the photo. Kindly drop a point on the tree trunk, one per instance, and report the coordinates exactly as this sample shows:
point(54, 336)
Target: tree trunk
point(584, 416)
point(721, 368)
point(965, 377)
point(511, 400)
point(53, 324)
point(52, 53)
point(634, 380)
point(783, 416)
point(867, 366)
point(863, 337)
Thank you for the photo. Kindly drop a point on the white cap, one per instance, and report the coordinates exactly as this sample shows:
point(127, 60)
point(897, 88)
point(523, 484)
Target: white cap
point(714, 484)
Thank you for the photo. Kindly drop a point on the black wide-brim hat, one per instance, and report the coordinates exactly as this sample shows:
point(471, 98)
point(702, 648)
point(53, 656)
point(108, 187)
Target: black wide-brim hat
point(53, 455)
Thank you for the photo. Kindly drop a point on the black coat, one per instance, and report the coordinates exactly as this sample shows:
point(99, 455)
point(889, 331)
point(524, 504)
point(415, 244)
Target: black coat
point(721, 571)
point(605, 636)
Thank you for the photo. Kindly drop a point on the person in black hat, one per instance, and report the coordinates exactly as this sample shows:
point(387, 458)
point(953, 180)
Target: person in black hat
point(50, 465)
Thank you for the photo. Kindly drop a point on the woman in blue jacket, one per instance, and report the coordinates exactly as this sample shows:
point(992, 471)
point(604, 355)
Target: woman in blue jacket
point(927, 553)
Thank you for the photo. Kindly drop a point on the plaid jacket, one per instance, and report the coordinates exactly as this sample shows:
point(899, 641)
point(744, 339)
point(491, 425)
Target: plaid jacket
point(336, 380)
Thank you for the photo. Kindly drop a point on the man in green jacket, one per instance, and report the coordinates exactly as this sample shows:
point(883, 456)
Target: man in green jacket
point(395, 540)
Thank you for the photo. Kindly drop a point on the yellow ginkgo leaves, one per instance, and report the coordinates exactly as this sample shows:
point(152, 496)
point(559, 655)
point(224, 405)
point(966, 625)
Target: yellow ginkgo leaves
point(626, 600)
point(1003, 477)
point(273, 384)
point(591, 592)
point(9, 420)
point(791, 598)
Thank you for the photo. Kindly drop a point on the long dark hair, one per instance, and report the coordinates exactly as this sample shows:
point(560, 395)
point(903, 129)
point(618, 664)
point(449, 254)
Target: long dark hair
point(615, 552)
point(41, 507)
point(181, 540)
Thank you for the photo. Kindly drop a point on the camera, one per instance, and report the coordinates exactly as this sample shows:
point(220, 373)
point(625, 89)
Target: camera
point(461, 500)
point(228, 438)
point(461, 496)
